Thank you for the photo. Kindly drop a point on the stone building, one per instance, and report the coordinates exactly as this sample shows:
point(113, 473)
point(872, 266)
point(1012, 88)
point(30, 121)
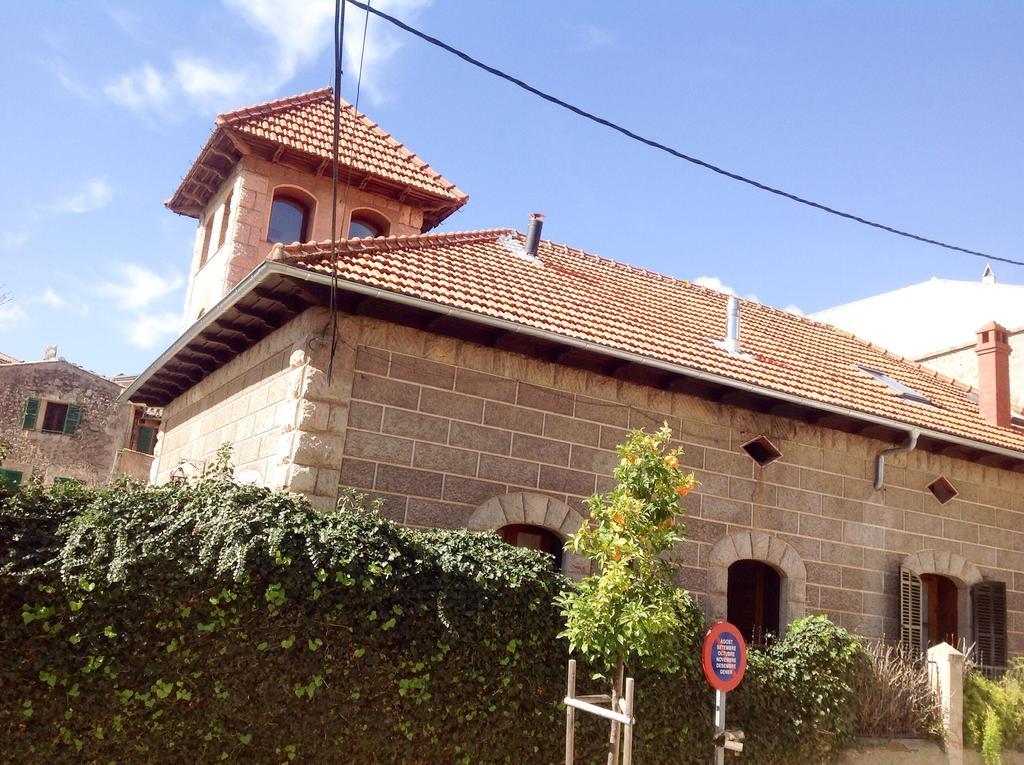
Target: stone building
point(60, 421)
point(482, 379)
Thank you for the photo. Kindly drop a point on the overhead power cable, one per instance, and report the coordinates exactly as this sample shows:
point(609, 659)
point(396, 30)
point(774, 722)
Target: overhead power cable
point(339, 41)
point(668, 149)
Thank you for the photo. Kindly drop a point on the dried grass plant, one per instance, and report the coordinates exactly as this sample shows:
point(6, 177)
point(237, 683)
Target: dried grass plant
point(894, 698)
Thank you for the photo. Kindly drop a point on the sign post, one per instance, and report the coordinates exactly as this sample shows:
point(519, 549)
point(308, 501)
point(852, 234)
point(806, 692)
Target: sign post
point(724, 660)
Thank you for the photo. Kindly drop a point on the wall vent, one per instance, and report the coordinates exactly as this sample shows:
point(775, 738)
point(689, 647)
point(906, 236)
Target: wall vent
point(942, 489)
point(761, 450)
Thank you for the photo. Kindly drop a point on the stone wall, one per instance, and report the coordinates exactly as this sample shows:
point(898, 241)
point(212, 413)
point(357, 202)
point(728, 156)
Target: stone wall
point(90, 454)
point(251, 403)
point(252, 188)
point(436, 427)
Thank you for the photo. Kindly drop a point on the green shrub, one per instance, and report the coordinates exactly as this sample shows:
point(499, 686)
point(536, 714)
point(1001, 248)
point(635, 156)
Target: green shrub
point(995, 706)
point(797, 700)
point(992, 739)
point(209, 621)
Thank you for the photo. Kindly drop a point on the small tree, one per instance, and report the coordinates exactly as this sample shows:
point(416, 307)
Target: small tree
point(629, 610)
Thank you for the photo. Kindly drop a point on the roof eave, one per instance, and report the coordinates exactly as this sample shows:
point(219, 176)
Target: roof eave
point(276, 268)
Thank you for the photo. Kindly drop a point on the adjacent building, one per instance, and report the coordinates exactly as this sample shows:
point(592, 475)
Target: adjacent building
point(59, 421)
point(482, 379)
point(934, 322)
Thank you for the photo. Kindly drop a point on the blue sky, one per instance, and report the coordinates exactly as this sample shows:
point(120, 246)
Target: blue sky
point(909, 113)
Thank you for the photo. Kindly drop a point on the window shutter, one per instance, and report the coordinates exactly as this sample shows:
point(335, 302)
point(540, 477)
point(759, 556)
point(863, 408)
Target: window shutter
point(11, 477)
point(31, 414)
point(910, 612)
point(988, 612)
point(145, 444)
point(74, 416)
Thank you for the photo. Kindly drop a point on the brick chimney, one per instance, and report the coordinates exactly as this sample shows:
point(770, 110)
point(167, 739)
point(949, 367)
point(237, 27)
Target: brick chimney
point(993, 351)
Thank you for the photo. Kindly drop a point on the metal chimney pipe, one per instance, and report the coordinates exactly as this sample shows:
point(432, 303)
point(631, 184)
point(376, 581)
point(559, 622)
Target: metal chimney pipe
point(732, 325)
point(533, 234)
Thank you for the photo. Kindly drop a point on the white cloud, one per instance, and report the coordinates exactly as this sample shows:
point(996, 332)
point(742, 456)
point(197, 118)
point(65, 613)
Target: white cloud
point(202, 81)
point(94, 195)
point(50, 298)
point(794, 308)
point(300, 30)
point(382, 42)
point(13, 240)
point(296, 33)
point(11, 316)
point(148, 330)
point(590, 37)
point(135, 287)
point(68, 81)
point(141, 90)
point(714, 283)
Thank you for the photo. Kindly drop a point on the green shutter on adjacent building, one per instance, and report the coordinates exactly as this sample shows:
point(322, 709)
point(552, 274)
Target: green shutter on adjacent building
point(145, 444)
point(30, 414)
point(71, 420)
point(12, 477)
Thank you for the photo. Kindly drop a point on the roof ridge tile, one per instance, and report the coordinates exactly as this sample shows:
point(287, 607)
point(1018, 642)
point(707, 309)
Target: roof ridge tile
point(322, 248)
point(270, 107)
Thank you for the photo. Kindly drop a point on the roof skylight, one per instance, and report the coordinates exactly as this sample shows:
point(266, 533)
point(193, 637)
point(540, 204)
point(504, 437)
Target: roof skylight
point(896, 386)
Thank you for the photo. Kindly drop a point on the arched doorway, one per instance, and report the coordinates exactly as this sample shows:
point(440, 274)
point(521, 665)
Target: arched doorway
point(783, 565)
point(935, 599)
point(939, 612)
point(534, 538)
point(533, 511)
point(753, 596)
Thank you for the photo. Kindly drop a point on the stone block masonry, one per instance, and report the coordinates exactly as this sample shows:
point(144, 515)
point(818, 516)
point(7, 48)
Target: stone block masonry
point(90, 455)
point(435, 428)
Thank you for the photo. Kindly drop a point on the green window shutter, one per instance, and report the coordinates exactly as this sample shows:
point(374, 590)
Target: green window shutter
point(31, 414)
point(911, 597)
point(988, 612)
point(11, 477)
point(71, 420)
point(145, 444)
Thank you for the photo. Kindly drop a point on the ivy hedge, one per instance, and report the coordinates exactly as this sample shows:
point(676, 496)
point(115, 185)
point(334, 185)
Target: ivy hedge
point(216, 622)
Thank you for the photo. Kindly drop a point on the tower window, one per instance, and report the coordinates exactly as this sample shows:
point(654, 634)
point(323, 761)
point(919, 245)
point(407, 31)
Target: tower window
point(207, 240)
point(225, 217)
point(289, 219)
point(753, 599)
point(367, 224)
point(535, 538)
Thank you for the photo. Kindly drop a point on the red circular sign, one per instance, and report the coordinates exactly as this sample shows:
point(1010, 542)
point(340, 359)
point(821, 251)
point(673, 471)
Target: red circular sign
point(725, 656)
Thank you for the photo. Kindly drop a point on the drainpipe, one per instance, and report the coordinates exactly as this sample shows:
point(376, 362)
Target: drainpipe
point(909, 446)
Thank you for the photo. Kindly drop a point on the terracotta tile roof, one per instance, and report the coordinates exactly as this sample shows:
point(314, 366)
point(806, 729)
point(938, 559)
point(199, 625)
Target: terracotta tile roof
point(306, 123)
point(583, 296)
point(303, 125)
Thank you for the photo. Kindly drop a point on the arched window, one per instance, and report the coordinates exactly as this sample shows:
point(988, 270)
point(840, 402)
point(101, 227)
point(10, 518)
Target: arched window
point(753, 599)
point(365, 223)
point(535, 538)
point(290, 217)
